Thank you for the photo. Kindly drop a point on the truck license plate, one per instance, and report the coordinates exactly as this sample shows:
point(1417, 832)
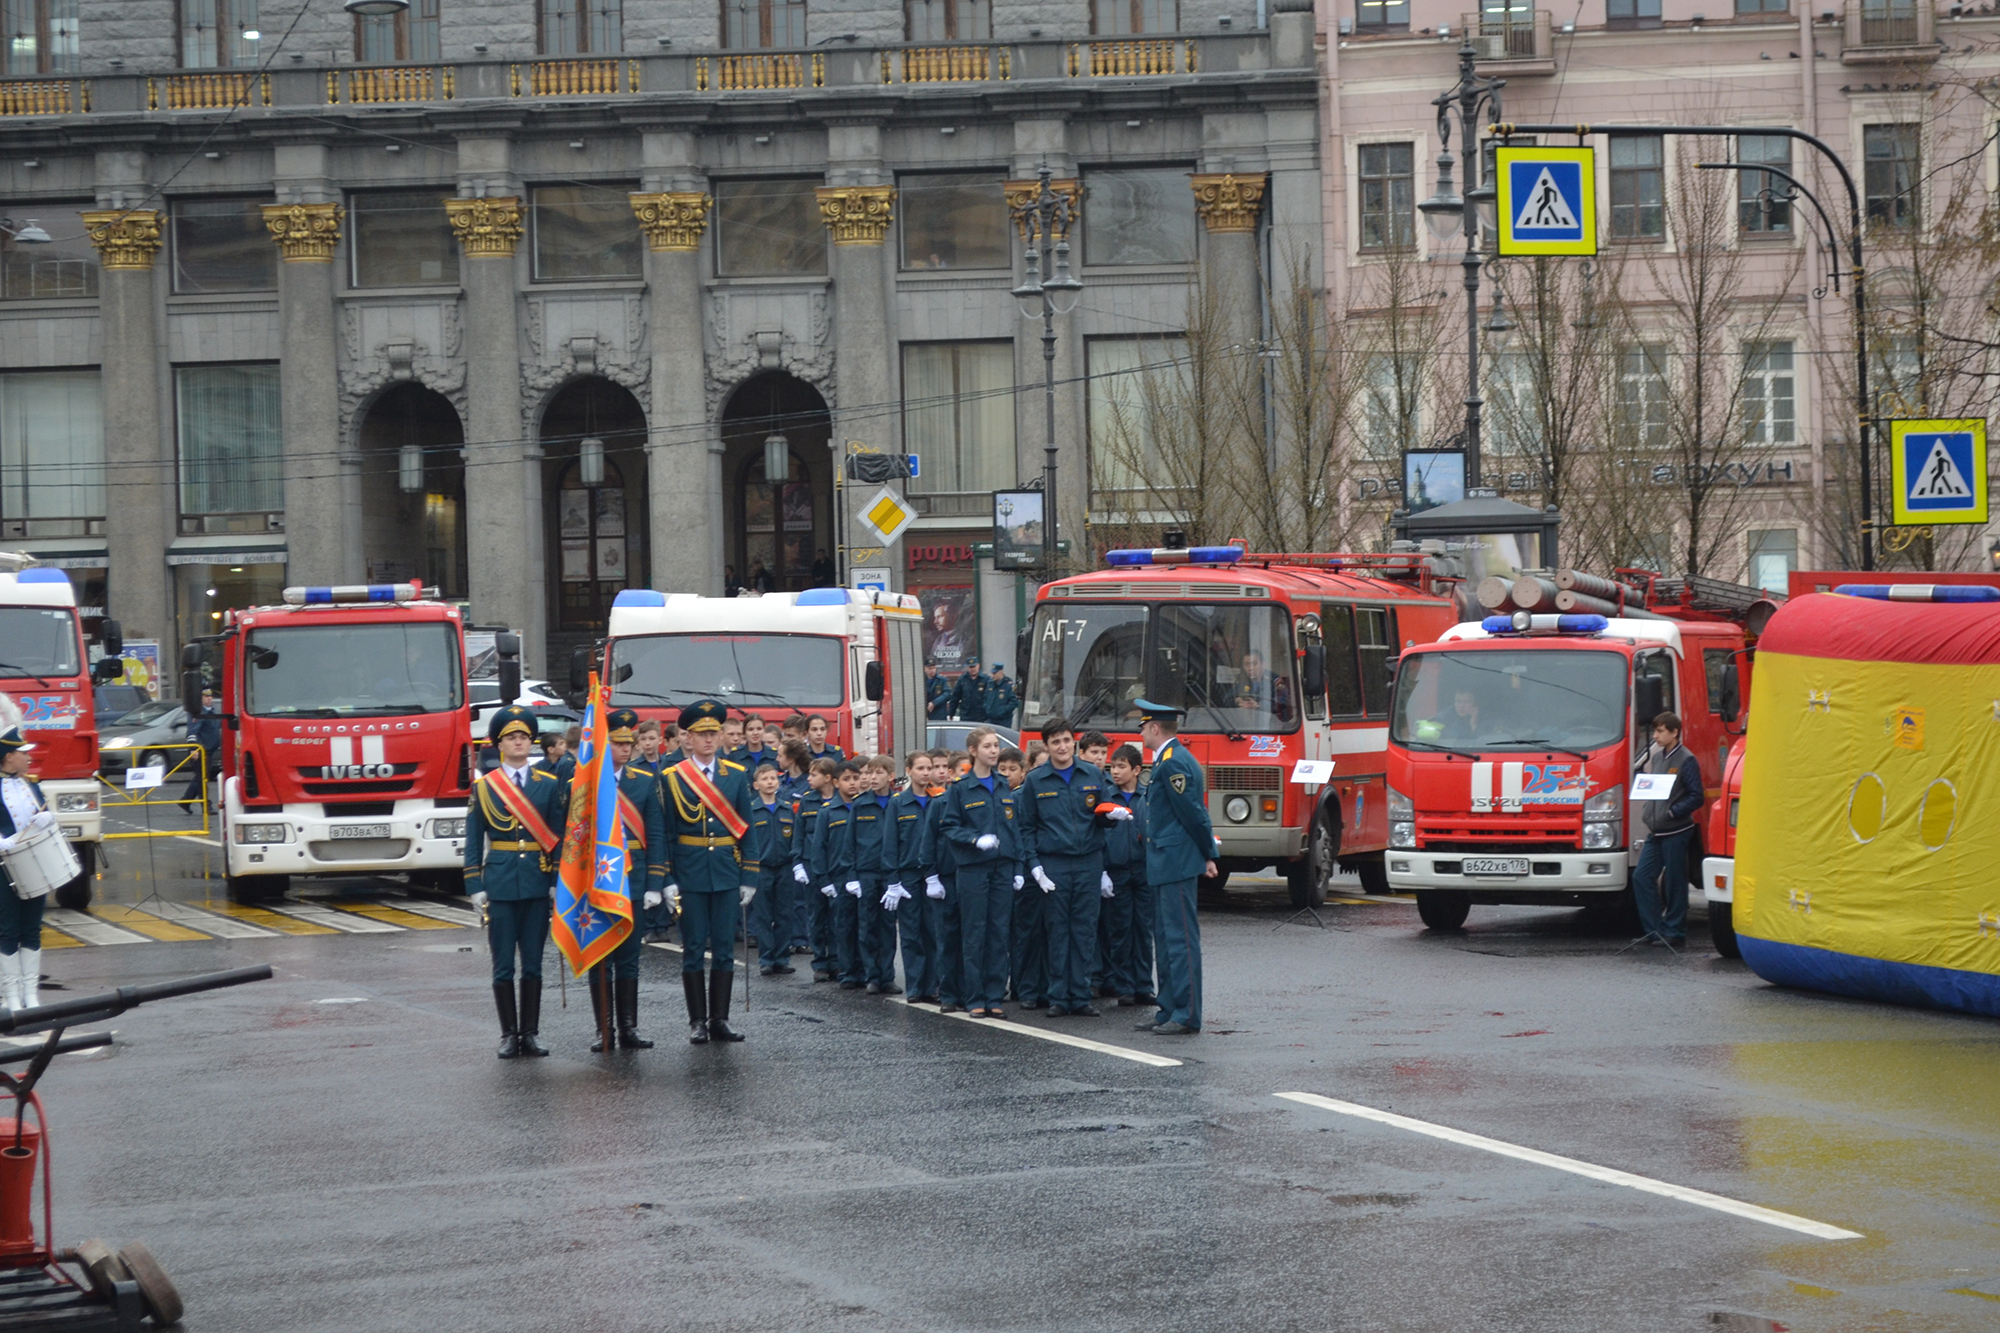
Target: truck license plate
point(1495, 865)
point(382, 831)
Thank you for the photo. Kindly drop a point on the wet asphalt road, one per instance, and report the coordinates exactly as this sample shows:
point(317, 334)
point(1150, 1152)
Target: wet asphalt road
point(338, 1149)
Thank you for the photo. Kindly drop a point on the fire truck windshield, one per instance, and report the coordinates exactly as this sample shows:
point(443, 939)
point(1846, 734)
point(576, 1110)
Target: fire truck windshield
point(1540, 698)
point(1231, 667)
point(37, 641)
point(773, 670)
point(351, 670)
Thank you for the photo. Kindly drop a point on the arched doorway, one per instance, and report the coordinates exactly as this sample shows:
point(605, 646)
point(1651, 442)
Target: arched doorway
point(783, 528)
point(594, 445)
point(413, 505)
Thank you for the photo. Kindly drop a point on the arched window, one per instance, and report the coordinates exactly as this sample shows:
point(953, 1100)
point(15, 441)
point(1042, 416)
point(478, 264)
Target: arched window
point(590, 530)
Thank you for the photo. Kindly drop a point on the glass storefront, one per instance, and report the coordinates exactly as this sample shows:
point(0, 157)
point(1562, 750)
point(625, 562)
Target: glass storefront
point(203, 592)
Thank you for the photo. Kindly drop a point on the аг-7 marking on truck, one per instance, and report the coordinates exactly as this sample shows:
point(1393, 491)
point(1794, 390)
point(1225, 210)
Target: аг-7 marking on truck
point(1527, 784)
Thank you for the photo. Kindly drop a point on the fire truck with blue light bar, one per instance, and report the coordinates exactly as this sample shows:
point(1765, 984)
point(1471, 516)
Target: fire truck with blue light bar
point(346, 743)
point(1282, 662)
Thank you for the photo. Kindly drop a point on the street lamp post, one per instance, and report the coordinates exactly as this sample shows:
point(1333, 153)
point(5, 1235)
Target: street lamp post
point(1045, 224)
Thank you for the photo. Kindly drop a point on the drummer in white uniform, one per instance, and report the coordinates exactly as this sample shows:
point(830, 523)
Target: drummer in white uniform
point(22, 810)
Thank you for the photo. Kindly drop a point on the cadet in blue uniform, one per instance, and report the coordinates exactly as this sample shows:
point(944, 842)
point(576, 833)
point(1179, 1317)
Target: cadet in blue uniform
point(22, 807)
point(942, 889)
point(1000, 697)
point(833, 873)
point(772, 821)
point(712, 880)
point(1062, 841)
point(937, 691)
point(1180, 847)
point(513, 844)
point(1128, 909)
point(614, 983)
point(559, 754)
point(978, 822)
point(810, 804)
point(877, 929)
point(905, 850)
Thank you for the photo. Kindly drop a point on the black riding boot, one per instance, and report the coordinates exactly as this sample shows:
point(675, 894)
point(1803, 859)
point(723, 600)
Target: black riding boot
point(697, 1008)
point(531, 1016)
point(626, 990)
point(599, 1001)
point(510, 1026)
point(720, 984)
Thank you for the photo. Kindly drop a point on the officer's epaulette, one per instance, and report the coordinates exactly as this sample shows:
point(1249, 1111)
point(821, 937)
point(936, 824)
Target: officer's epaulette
point(731, 763)
point(543, 774)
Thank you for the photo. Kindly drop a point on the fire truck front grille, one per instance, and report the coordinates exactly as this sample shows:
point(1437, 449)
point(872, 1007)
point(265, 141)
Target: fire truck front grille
point(360, 849)
point(1488, 844)
point(1245, 777)
point(355, 788)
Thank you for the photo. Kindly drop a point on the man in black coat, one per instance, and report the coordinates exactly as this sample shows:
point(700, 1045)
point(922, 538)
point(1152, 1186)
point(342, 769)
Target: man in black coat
point(1660, 882)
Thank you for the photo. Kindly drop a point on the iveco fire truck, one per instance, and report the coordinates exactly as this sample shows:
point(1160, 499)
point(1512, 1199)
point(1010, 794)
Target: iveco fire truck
point(347, 747)
point(46, 684)
point(1277, 659)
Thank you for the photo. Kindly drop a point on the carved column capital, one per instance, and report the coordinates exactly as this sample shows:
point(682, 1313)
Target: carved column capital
point(1229, 202)
point(1022, 194)
point(858, 214)
point(125, 238)
point(486, 228)
point(306, 233)
point(674, 220)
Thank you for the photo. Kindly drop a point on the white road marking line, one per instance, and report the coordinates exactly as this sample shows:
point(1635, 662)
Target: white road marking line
point(1701, 1198)
point(222, 927)
point(457, 916)
point(196, 837)
point(341, 921)
point(1060, 1038)
point(89, 929)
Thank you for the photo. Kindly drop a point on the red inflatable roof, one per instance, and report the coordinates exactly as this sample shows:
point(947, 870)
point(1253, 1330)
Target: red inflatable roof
point(1861, 629)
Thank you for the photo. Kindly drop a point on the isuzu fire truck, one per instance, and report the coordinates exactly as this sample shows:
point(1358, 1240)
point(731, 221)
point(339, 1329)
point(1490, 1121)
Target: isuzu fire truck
point(1277, 659)
point(347, 747)
point(852, 656)
point(46, 681)
point(1512, 740)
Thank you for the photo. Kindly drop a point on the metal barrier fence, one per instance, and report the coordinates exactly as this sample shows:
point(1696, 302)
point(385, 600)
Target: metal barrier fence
point(179, 760)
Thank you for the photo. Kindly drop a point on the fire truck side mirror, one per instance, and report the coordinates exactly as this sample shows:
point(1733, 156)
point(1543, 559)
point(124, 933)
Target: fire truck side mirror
point(507, 647)
point(1315, 670)
point(871, 682)
point(191, 692)
point(106, 669)
point(579, 669)
point(1732, 695)
point(191, 657)
point(1650, 695)
point(112, 635)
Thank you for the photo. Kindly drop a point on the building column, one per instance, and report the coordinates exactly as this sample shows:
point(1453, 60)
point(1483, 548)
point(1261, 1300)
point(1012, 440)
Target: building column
point(864, 346)
point(683, 447)
point(322, 480)
point(1229, 204)
point(506, 551)
point(139, 471)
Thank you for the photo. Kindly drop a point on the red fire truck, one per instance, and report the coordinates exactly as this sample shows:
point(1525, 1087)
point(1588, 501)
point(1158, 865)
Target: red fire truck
point(1511, 740)
point(346, 736)
point(46, 685)
point(1277, 658)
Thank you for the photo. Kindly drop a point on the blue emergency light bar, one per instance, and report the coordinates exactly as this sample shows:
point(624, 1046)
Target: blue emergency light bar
point(1522, 621)
point(41, 575)
point(1921, 592)
point(342, 594)
point(1184, 555)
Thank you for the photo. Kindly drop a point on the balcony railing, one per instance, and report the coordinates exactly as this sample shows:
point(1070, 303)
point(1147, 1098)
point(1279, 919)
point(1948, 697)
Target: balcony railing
point(43, 97)
point(395, 83)
point(207, 92)
point(1888, 31)
point(1512, 37)
point(1133, 59)
point(946, 64)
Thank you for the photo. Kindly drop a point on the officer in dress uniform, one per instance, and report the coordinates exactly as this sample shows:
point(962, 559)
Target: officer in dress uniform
point(1180, 847)
point(22, 808)
point(614, 982)
point(711, 880)
point(513, 844)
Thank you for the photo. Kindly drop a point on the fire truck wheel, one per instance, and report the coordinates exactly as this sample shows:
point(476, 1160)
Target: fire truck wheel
point(255, 888)
point(162, 1300)
point(75, 895)
point(1374, 876)
point(1722, 930)
point(1443, 911)
point(1305, 878)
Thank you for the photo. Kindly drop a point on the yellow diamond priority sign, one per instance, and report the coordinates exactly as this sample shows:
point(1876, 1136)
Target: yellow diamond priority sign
point(886, 516)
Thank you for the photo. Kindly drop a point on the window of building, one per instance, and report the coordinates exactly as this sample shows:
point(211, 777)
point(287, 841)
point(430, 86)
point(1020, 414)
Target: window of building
point(1642, 396)
point(1632, 13)
point(1896, 372)
point(1388, 196)
point(768, 228)
point(393, 38)
point(1121, 18)
point(958, 414)
point(1763, 6)
point(222, 245)
point(231, 439)
point(1142, 215)
point(580, 27)
point(1891, 154)
point(1769, 408)
point(956, 221)
point(1638, 187)
point(764, 23)
point(947, 20)
point(51, 451)
point(1136, 385)
point(1889, 23)
point(1382, 15)
point(401, 238)
point(1773, 557)
point(66, 265)
point(1760, 206)
point(585, 231)
point(1512, 420)
point(41, 36)
point(1391, 405)
point(219, 32)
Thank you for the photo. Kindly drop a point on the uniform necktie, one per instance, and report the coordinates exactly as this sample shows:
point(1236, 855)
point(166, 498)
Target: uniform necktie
point(521, 780)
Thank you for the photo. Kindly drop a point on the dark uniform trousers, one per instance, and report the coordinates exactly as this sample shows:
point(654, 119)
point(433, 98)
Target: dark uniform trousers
point(709, 868)
point(1070, 914)
point(1029, 944)
point(1128, 925)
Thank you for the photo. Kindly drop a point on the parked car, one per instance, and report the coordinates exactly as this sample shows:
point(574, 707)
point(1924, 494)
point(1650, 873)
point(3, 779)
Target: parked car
point(548, 722)
point(951, 735)
point(484, 696)
point(117, 701)
point(125, 741)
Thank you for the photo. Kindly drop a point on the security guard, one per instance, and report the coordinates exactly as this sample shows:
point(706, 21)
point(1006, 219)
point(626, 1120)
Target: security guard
point(513, 843)
point(645, 879)
point(1062, 840)
point(1180, 846)
point(937, 691)
point(1000, 699)
point(968, 695)
point(708, 819)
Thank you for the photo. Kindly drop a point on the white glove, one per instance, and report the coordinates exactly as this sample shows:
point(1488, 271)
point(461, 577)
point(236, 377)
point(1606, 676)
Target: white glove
point(674, 896)
point(749, 892)
point(799, 874)
point(42, 819)
point(1018, 882)
point(933, 887)
point(854, 888)
point(478, 899)
point(1218, 844)
point(829, 890)
point(892, 895)
point(986, 842)
point(1118, 814)
point(1104, 889)
point(1042, 878)
point(653, 899)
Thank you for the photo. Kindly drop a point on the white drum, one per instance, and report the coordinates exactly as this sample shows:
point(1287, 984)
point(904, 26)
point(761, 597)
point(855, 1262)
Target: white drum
point(41, 861)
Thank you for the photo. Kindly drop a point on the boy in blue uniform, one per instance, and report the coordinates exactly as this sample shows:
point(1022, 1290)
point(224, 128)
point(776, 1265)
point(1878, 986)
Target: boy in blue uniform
point(713, 878)
point(809, 805)
point(835, 875)
point(1180, 847)
point(771, 825)
point(914, 913)
point(513, 843)
point(559, 754)
point(978, 823)
point(1062, 841)
point(1128, 910)
point(873, 869)
point(614, 982)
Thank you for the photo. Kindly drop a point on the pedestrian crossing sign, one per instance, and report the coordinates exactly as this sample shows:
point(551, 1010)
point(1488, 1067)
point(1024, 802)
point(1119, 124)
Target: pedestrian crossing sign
point(1546, 200)
point(1939, 471)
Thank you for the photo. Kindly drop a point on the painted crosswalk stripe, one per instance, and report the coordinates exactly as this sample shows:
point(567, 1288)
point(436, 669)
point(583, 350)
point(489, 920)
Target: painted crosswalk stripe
point(152, 927)
point(222, 927)
point(457, 916)
point(55, 939)
point(392, 916)
point(282, 925)
point(1610, 1175)
point(89, 929)
point(344, 922)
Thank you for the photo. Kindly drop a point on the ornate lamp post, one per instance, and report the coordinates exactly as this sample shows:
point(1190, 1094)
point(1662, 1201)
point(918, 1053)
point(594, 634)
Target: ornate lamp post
point(1045, 220)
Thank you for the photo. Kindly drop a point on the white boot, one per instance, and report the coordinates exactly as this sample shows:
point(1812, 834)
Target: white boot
point(10, 984)
point(28, 978)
